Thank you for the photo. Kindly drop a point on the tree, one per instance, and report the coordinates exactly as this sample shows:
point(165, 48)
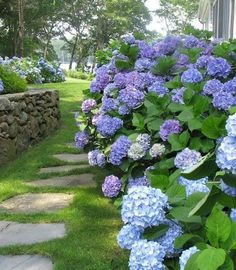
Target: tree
point(177, 14)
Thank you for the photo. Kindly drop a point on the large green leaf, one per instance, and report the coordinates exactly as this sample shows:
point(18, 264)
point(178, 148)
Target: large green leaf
point(186, 115)
point(152, 233)
point(218, 227)
point(164, 64)
point(230, 243)
point(210, 259)
point(182, 214)
point(138, 120)
point(214, 127)
point(179, 142)
point(185, 238)
point(176, 193)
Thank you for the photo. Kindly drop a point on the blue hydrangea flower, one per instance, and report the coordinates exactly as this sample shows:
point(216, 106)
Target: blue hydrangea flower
point(144, 206)
point(187, 158)
point(186, 255)
point(212, 87)
point(119, 150)
point(183, 61)
point(120, 80)
point(128, 235)
point(159, 88)
point(1, 86)
point(129, 39)
point(168, 239)
point(109, 89)
point(123, 110)
point(193, 186)
point(144, 140)
point(101, 81)
point(191, 42)
point(231, 191)
point(96, 158)
point(111, 186)
point(230, 86)
point(148, 79)
point(146, 51)
point(231, 125)
point(177, 95)
point(136, 151)
point(233, 214)
point(88, 105)
point(109, 104)
point(226, 154)
point(192, 75)
point(146, 256)
point(223, 100)
point(139, 181)
point(169, 127)
point(167, 46)
point(81, 139)
point(107, 126)
point(131, 97)
point(143, 64)
point(157, 150)
point(218, 68)
point(202, 61)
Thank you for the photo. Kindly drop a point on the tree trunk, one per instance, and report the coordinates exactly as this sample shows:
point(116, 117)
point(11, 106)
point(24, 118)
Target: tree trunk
point(46, 48)
point(73, 51)
point(21, 6)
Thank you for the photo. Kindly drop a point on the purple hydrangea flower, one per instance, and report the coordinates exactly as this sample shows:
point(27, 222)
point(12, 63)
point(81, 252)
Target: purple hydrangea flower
point(81, 139)
point(193, 186)
point(158, 88)
point(231, 191)
point(167, 46)
point(96, 158)
point(169, 127)
point(131, 97)
point(148, 79)
point(230, 86)
point(139, 181)
point(88, 105)
point(109, 104)
point(123, 110)
point(192, 75)
point(212, 86)
point(183, 61)
point(146, 256)
point(191, 42)
point(107, 126)
point(128, 235)
point(187, 158)
point(143, 64)
point(223, 100)
point(146, 51)
point(177, 95)
point(218, 67)
point(109, 89)
point(1, 86)
point(129, 39)
point(202, 61)
point(119, 150)
point(101, 81)
point(111, 186)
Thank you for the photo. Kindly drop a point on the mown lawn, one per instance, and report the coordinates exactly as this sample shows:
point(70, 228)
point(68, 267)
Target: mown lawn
point(92, 221)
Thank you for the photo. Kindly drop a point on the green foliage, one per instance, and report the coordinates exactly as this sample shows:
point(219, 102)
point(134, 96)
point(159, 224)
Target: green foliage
point(76, 74)
point(12, 82)
point(163, 66)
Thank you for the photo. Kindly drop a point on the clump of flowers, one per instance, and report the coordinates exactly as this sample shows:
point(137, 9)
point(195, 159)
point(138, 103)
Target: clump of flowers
point(119, 150)
point(81, 139)
point(128, 235)
point(107, 126)
point(169, 127)
point(187, 158)
point(111, 186)
point(157, 150)
point(96, 158)
point(88, 105)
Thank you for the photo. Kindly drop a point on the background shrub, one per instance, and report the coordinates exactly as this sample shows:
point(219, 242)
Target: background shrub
point(12, 82)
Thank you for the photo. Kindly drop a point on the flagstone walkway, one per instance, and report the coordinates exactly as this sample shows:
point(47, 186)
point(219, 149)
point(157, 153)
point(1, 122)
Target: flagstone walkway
point(13, 233)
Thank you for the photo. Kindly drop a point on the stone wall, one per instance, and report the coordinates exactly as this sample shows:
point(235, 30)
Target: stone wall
point(25, 119)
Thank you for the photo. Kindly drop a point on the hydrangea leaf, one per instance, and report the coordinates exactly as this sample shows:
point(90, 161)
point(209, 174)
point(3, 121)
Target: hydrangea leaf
point(218, 227)
point(200, 104)
point(228, 264)
point(164, 65)
point(186, 115)
point(176, 193)
point(194, 124)
point(138, 120)
point(230, 243)
point(214, 127)
point(192, 262)
point(210, 259)
point(155, 232)
point(181, 213)
point(179, 142)
point(154, 125)
point(185, 238)
point(229, 179)
point(176, 107)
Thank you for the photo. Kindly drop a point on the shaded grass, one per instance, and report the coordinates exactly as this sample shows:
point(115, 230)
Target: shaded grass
point(92, 221)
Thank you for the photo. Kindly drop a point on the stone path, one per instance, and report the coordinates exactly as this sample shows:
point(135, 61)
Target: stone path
point(65, 168)
point(26, 262)
point(65, 181)
point(72, 157)
point(12, 233)
point(36, 202)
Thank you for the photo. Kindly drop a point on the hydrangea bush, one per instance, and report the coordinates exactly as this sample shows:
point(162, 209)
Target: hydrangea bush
point(161, 117)
point(34, 71)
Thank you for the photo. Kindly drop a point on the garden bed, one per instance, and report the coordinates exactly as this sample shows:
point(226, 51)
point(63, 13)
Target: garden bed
point(26, 118)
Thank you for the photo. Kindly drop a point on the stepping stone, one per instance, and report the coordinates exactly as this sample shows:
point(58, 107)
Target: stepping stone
point(27, 262)
point(66, 181)
point(66, 168)
point(72, 157)
point(36, 202)
point(13, 233)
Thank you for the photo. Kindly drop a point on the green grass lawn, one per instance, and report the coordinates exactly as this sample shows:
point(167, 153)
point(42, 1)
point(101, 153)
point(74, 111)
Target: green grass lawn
point(92, 221)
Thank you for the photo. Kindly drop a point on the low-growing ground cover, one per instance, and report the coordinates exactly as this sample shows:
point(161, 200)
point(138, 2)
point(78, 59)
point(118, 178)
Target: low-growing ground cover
point(92, 222)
